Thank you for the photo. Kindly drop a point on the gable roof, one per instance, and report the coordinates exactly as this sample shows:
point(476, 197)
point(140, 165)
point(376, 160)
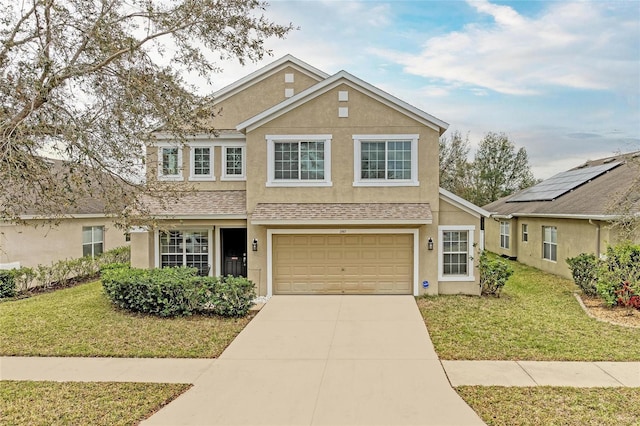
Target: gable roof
point(335, 80)
point(463, 204)
point(266, 71)
point(598, 198)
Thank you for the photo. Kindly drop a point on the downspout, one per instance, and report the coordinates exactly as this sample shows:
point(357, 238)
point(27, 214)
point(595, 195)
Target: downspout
point(597, 237)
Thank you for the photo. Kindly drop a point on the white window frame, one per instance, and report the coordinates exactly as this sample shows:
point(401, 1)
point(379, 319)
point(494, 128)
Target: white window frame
point(525, 232)
point(470, 229)
point(161, 146)
point(550, 243)
point(192, 149)
point(273, 139)
point(210, 236)
point(223, 162)
point(505, 234)
point(93, 242)
point(357, 160)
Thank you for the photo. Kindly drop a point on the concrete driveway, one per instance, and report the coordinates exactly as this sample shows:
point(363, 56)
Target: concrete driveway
point(325, 360)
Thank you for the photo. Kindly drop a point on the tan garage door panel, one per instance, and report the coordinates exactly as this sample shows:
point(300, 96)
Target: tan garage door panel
point(343, 264)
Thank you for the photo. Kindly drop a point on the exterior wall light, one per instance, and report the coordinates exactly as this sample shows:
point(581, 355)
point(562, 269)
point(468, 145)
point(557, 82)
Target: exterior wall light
point(254, 245)
point(430, 244)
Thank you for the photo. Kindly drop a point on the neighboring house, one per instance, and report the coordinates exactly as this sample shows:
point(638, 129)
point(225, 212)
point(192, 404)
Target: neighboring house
point(567, 214)
point(84, 230)
point(313, 184)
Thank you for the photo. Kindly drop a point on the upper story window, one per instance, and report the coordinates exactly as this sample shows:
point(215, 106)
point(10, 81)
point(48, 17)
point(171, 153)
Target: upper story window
point(299, 160)
point(385, 160)
point(169, 161)
point(233, 163)
point(201, 162)
point(550, 243)
point(504, 234)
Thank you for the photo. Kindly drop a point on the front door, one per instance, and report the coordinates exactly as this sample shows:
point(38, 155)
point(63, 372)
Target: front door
point(234, 251)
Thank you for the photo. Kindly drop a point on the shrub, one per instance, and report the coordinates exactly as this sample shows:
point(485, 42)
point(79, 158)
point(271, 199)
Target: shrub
point(626, 297)
point(7, 284)
point(176, 291)
point(622, 264)
point(163, 292)
point(494, 274)
point(24, 278)
point(584, 269)
point(233, 296)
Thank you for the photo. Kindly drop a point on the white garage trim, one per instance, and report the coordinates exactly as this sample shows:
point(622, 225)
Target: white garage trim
point(271, 232)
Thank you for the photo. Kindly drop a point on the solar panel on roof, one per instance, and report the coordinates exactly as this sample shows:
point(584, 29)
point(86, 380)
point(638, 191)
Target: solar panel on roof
point(561, 183)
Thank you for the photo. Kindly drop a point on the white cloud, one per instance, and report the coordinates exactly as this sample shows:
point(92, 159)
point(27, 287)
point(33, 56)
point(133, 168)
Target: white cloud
point(583, 45)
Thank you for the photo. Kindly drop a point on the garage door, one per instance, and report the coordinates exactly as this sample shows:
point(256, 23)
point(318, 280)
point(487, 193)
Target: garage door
point(343, 264)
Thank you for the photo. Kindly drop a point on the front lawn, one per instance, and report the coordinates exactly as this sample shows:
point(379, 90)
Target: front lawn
point(553, 405)
point(536, 318)
point(80, 321)
point(54, 403)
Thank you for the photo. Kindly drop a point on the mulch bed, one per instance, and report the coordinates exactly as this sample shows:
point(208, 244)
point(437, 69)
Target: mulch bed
point(615, 315)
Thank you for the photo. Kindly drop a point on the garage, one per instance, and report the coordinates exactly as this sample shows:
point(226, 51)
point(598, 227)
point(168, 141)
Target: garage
point(342, 263)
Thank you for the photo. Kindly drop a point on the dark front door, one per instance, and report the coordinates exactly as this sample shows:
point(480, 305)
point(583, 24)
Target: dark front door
point(234, 251)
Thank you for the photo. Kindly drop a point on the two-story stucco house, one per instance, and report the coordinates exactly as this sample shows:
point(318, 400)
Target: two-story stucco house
point(313, 184)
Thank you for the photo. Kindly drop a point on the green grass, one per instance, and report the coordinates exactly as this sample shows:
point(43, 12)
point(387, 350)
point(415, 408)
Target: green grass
point(554, 405)
point(54, 403)
point(536, 318)
point(80, 321)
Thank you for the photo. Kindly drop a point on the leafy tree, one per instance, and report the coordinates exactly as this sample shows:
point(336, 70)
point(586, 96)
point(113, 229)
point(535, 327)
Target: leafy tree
point(498, 169)
point(86, 80)
point(454, 164)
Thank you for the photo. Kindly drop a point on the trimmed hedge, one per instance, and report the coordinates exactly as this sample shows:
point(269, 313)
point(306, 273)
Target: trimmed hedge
point(584, 269)
point(172, 292)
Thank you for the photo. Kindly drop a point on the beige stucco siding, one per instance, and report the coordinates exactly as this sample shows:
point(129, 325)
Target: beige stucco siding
point(259, 97)
point(320, 117)
point(45, 244)
point(492, 237)
point(574, 236)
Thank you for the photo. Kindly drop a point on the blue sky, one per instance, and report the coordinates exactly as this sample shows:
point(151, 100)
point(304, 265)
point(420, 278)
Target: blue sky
point(561, 78)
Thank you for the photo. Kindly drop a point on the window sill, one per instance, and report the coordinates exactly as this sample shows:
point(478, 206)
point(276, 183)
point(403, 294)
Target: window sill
point(170, 178)
point(298, 184)
point(233, 178)
point(464, 278)
point(386, 183)
point(201, 179)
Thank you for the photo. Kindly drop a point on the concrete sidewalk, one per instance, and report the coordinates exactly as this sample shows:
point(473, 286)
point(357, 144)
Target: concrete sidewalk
point(543, 373)
point(328, 360)
point(459, 373)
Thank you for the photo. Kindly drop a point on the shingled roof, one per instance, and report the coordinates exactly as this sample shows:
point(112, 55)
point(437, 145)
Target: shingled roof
point(600, 197)
point(352, 213)
point(198, 205)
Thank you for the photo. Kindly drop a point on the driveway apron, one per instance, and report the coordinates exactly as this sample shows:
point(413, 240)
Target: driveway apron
point(325, 360)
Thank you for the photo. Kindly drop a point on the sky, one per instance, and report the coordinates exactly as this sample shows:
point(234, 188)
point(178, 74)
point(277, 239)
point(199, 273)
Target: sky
point(560, 78)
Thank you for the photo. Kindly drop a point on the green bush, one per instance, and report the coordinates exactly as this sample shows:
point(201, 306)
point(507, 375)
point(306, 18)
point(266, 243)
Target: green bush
point(172, 292)
point(584, 269)
point(621, 265)
point(163, 292)
point(7, 284)
point(233, 296)
point(494, 274)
